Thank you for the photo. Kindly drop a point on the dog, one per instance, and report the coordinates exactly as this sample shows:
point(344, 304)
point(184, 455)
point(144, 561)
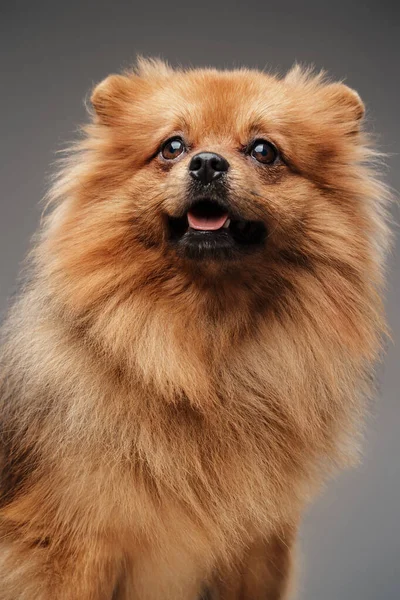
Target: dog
point(189, 356)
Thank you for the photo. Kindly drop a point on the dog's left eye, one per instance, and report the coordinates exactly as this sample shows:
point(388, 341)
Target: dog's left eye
point(173, 148)
point(264, 152)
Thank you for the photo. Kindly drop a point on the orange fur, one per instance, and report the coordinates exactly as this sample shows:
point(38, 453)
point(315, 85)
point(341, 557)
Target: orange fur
point(164, 421)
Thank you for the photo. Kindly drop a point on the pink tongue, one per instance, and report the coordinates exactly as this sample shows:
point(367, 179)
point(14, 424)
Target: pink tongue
point(207, 223)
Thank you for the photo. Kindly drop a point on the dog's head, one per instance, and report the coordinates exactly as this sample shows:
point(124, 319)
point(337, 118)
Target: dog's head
point(217, 176)
point(218, 161)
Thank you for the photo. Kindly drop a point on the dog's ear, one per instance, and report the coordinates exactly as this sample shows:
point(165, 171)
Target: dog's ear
point(114, 97)
point(342, 102)
point(111, 95)
point(345, 101)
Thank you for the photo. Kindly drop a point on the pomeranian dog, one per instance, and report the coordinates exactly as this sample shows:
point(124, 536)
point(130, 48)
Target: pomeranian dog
point(189, 356)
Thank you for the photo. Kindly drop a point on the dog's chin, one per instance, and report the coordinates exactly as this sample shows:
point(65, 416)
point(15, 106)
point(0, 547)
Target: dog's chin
point(210, 230)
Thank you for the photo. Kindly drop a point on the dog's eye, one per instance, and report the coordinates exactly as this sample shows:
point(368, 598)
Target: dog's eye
point(264, 152)
point(173, 148)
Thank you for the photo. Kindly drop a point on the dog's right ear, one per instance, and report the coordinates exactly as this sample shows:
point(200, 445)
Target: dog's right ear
point(111, 97)
point(114, 98)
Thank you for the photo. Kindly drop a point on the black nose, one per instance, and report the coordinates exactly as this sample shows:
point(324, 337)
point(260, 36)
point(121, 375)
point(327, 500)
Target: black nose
point(207, 166)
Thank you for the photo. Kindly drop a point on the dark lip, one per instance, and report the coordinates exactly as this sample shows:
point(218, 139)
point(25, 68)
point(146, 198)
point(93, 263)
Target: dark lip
point(242, 237)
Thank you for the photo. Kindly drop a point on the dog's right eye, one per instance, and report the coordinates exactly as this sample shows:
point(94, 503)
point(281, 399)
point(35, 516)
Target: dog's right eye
point(172, 148)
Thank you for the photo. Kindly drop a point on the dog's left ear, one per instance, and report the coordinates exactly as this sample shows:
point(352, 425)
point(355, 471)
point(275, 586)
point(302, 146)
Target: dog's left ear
point(344, 101)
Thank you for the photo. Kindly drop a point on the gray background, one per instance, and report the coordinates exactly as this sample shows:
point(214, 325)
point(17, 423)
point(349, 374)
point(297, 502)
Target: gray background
point(50, 55)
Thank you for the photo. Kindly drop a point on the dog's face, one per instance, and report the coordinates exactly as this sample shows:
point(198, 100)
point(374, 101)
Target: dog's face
point(225, 158)
point(235, 172)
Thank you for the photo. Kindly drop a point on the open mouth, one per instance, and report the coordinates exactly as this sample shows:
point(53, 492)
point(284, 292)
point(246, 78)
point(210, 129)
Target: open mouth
point(209, 230)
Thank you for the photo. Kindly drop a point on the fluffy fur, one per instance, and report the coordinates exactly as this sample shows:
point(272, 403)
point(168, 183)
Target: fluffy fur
point(164, 421)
